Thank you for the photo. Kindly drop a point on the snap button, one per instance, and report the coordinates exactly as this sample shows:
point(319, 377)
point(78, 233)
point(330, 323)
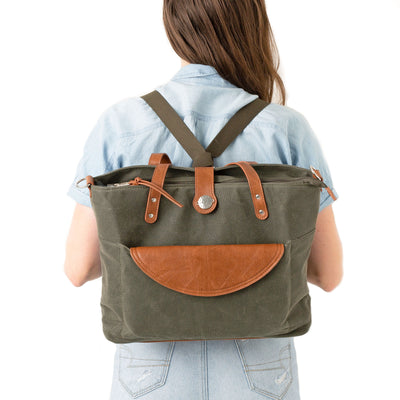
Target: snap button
point(205, 202)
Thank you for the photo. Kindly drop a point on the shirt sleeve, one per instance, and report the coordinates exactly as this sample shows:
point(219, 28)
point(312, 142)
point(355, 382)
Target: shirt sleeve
point(98, 156)
point(306, 151)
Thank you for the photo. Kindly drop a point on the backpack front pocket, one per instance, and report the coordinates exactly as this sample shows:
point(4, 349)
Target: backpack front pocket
point(167, 296)
point(208, 270)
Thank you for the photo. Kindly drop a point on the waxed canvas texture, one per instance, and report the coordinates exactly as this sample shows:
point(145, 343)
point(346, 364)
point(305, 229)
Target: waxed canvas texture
point(136, 308)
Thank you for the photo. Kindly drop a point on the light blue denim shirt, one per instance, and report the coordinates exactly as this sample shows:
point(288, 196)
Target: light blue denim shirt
point(126, 134)
point(129, 131)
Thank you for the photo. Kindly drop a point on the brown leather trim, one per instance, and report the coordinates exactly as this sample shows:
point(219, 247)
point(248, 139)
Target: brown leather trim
point(318, 176)
point(89, 182)
point(159, 158)
point(204, 186)
point(328, 189)
point(208, 270)
point(139, 181)
point(153, 199)
point(256, 189)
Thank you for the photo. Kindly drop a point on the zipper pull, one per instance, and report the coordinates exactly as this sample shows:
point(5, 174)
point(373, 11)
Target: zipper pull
point(318, 176)
point(316, 173)
point(140, 181)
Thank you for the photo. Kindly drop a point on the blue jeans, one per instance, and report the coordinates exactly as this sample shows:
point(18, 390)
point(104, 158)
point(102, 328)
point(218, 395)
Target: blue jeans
point(242, 369)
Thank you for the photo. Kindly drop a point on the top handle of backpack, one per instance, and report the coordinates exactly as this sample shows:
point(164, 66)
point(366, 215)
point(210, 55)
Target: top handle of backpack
point(202, 157)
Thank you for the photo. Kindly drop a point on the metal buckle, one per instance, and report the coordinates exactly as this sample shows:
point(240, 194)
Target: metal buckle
point(81, 187)
point(313, 170)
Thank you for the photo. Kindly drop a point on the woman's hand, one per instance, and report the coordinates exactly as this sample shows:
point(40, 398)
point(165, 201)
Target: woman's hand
point(82, 257)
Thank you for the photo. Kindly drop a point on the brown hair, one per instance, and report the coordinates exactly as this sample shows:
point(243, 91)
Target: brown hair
point(233, 36)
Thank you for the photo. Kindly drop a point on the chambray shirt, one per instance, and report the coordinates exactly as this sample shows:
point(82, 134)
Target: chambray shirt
point(126, 134)
point(129, 131)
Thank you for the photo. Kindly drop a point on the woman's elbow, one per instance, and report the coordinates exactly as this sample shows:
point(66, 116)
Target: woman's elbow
point(328, 278)
point(333, 283)
point(72, 273)
point(325, 262)
point(80, 272)
point(82, 257)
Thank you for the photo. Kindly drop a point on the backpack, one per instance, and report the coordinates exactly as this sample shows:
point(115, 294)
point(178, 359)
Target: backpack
point(205, 252)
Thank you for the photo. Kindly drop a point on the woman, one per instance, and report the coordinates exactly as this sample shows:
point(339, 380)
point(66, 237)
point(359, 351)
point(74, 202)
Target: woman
point(228, 58)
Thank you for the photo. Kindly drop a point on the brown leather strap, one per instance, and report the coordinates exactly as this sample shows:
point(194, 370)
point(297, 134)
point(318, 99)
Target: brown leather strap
point(162, 162)
point(256, 189)
point(318, 176)
point(202, 157)
point(159, 158)
point(139, 181)
point(89, 182)
point(204, 200)
point(154, 197)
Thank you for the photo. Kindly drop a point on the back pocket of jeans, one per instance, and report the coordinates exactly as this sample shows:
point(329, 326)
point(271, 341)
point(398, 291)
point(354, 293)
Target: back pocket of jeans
point(143, 367)
point(267, 364)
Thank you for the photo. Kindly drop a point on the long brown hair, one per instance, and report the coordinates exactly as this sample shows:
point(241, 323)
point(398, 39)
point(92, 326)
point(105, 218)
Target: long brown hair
point(233, 36)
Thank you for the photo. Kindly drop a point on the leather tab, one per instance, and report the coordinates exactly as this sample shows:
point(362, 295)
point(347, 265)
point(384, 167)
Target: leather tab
point(208, 270)
point(159, 158)
point(329, 190)
point(89, 182)
point(162, 162)
point(204, 200)
point(318, 176)
point(256, 189)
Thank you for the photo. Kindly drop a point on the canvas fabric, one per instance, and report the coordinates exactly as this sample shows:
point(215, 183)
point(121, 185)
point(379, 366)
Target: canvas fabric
point(136, 307)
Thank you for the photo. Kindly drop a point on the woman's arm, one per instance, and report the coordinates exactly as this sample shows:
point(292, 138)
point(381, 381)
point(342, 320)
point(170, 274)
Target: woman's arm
point(325, 264)
point(82, 258)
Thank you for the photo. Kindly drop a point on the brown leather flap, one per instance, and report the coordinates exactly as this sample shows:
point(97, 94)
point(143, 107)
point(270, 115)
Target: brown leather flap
point(209, 270)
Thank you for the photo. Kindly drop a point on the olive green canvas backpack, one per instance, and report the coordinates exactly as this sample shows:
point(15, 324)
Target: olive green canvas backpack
point(205, 252)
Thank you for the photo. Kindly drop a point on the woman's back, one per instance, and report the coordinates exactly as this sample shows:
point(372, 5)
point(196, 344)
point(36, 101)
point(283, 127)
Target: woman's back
point(234, 60)
point(126, 134)
point(129, 131)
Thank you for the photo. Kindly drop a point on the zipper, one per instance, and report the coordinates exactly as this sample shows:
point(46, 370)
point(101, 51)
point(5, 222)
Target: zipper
point(166, 183)
point(314, 171)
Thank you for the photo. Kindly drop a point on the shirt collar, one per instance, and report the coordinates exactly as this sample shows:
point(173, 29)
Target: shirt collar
point(192, 70)
point(204, 73)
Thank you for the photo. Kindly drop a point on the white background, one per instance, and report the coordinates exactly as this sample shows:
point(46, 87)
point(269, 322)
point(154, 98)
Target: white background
point(63, 63)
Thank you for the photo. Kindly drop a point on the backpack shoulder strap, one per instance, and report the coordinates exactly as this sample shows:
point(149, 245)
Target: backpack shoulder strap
point(177, 127)
point(200, 156)
point(235, 126)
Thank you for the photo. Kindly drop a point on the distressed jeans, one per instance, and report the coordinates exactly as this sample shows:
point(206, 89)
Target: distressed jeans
point(242, 369)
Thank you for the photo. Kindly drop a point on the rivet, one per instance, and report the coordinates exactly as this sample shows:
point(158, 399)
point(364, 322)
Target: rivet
point(257, 196)
point(261, 211)
point(205, 202)
point(151, 215)
point(153, 199)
